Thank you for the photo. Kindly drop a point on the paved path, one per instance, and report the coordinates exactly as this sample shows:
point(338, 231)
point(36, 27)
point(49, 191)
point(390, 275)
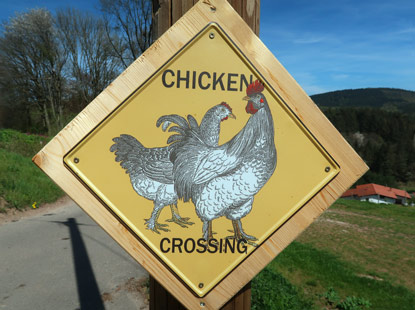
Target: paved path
point(63, 260)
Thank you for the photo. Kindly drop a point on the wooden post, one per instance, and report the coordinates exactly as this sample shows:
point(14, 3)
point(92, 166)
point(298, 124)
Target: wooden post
point(165, 14)
point(161, 299)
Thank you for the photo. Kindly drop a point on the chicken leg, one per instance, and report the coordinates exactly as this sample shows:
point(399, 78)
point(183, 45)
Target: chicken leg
point(207, 230)
point(152, 223)
point(176, 218)
point(239, 233)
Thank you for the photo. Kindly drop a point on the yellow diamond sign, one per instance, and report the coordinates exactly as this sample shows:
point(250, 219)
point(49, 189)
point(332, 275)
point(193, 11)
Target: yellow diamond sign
point(204, 159)
point(247, 175)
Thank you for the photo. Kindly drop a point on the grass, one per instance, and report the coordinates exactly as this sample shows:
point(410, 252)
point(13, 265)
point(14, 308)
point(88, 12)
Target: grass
point(380, 237)
point(271, 291)
point(21, 143)
point(315, 271)
point(358, 249)
point(21, 182)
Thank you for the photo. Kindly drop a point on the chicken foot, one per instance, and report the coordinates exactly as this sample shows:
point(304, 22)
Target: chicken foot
point(176, 218)
point(152, 223)
point(239, 233)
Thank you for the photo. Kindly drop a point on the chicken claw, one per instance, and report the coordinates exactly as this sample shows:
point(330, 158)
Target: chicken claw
point(152, 223)
point(176, 218)
point(155, 226)
point(181, 221)
point(239, 234)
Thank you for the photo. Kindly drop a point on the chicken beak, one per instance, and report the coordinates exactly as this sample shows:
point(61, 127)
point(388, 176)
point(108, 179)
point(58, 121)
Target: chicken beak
point(246, 98)
point(232, 116)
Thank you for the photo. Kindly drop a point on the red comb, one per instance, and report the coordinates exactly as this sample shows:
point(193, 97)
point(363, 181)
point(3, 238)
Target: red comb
point(226, 105)
point(255, 87)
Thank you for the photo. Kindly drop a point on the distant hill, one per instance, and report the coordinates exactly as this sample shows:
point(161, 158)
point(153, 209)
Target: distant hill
point(380, 125)
point(389, 99)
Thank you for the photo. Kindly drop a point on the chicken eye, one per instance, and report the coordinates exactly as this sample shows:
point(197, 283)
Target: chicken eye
point(262, 100)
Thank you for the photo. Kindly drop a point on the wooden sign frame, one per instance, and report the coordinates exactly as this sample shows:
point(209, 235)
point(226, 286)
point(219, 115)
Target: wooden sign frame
point(50, 158)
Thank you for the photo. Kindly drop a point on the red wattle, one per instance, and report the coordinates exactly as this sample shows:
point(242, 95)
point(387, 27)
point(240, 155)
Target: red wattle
point(250, 108)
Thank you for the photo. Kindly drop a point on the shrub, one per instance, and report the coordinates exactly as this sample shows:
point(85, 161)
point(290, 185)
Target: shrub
point(349, 303)
point(354, 303)
point(331, 296)
point(271, 291)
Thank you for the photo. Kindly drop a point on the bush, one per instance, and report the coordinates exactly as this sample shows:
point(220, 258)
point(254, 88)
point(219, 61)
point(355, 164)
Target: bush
point(271, 291)
point(332, 299)
point(331, 296)
point(354, 303)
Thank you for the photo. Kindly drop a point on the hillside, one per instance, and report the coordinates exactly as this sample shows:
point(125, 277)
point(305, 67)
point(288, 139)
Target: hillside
point(368, 253)
point(389, 99)
point(380, 125)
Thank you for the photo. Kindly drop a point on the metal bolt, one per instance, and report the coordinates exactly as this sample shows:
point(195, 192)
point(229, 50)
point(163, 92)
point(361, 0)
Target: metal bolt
point(211, 35)
point(76, 160)
point(327, 169)
point(202, 304)
point(201, 285)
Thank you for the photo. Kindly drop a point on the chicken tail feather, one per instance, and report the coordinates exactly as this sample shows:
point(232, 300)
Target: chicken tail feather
point(192, 122)
point(126, 149)
point(172, 118)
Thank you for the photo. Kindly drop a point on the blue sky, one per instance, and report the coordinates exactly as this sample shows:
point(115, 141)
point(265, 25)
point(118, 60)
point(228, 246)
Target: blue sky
point(326, 45)
point(330, 45)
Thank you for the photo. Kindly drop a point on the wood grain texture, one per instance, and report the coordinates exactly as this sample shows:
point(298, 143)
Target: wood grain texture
point(163, 16)
point(186, 6)
point(50, 158)
point(176, 11)
point(167, 12)
point(161, 299)
point(241, 301)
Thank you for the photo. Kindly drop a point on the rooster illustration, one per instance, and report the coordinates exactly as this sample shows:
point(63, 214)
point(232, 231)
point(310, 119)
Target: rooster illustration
point(150, 169)
point(223, 180)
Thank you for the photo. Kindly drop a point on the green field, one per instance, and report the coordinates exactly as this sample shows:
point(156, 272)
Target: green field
point(21, 182)
point(354, 249)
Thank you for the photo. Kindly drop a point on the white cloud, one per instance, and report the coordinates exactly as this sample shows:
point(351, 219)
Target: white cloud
point(314, 89)
point(340, 76)
point(408, 30)
point(309, 40)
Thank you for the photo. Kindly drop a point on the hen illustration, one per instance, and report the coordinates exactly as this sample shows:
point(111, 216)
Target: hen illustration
point(223, 180)
point(150, 169)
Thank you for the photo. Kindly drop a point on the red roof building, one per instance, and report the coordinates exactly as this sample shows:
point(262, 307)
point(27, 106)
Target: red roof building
point(378, 194)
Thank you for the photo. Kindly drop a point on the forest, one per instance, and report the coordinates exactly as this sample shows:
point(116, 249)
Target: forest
point(378, 123)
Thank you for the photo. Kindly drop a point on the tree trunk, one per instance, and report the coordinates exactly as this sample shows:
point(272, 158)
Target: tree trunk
point(46, 117)
point(165, 14)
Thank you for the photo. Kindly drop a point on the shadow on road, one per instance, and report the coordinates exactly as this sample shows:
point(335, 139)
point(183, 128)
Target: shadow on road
point(88, 292)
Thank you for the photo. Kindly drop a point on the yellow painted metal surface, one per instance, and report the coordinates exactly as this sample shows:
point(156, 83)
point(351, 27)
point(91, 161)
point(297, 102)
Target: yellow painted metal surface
point(191, 83)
